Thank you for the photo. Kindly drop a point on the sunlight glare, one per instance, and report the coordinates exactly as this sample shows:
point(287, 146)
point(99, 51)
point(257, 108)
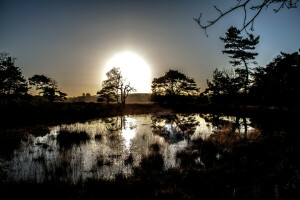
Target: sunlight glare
point(133, 68)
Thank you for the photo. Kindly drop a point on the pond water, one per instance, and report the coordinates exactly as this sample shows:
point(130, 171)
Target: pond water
point(105, 147)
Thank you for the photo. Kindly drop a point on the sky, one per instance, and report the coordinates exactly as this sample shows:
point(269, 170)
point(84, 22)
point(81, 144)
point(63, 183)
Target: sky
point(72, 41)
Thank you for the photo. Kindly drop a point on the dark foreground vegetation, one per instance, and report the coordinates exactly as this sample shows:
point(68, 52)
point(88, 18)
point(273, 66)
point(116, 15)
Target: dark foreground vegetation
point(224, 166)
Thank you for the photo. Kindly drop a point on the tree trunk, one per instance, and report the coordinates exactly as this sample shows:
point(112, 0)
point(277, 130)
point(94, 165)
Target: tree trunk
point(123, 96)
point(246, 128)
point(247, 77)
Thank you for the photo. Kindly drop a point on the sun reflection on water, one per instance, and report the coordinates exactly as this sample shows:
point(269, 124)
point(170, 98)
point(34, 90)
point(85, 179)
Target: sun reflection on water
point(104, 156)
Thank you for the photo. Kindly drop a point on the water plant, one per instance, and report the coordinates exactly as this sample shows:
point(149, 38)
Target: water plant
point(66, 138)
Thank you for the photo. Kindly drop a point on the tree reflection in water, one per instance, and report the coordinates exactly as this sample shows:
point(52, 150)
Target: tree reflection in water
point(174, 127)
point(112, 145)
point(229, 157)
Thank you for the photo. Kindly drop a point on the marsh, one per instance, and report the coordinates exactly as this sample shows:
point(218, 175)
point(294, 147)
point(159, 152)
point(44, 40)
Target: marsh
point(99, 148)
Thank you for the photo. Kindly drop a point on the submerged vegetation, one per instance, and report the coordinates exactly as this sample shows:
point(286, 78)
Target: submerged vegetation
point(66, 138)
point(226, 165)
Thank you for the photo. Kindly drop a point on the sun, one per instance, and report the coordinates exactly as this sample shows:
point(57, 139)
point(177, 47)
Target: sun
point(134, 68)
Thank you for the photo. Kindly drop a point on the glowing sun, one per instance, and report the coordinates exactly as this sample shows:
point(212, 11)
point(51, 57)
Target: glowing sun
point(134, 68)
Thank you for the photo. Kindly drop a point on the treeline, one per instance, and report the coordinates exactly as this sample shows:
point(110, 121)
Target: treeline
point(274, 85)
point(277, 84)
point(132, 98)
point(14, 87)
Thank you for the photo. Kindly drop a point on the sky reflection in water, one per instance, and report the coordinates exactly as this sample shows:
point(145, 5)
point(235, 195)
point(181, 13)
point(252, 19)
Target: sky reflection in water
point(42, 158)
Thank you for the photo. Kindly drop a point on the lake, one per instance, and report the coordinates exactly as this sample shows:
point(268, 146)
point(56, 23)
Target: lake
point(105, 147)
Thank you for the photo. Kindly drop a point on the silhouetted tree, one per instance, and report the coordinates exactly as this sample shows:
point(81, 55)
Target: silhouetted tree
point(48, 88)
point(224, 87)
point(278, 83)
point(173, 85)
point(251, 9)
point(12, 81)
point(115, 87)
point(106, 94)
point(240, 50)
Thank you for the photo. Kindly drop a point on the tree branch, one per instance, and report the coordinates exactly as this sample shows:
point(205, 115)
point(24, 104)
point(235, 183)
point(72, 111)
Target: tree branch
point(210, 23)
point(244, 4)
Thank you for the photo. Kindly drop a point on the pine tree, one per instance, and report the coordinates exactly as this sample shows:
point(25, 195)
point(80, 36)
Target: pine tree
point(240, 50)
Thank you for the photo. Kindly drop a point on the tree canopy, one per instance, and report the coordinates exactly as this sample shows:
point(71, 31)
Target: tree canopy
point(173, 84)
point(47, 87)
point(224, 88)
point(240, 50)
point(12, 82)
point(115, 87)
point(278, 82)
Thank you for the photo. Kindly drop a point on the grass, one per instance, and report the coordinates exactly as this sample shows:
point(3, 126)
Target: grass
point(66, 138)
point(265, 167)
point(261, 169)
point(98, 137)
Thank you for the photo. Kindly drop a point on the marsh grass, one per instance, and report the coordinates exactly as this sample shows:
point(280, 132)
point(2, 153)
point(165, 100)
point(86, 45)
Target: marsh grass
point(98, 137)
point(224, 166)
point(261, 169)
point(66, 138)
point(129, 160)
point(11, 140)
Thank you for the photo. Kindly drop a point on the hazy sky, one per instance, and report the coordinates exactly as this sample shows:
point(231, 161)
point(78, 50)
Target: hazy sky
point(71, 41)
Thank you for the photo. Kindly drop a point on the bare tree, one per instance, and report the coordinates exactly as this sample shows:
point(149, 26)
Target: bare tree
point(248, 6)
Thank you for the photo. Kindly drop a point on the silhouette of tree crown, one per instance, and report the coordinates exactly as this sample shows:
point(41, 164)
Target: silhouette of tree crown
point(239, 48)
point(11, 79)
point(174, 83)
point(115, 87)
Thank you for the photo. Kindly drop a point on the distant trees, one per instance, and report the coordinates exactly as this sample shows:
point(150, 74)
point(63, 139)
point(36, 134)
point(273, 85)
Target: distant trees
point(174, 86)
point(12, 82)
point(115, 88)
point(240, 50)
point(47, 87)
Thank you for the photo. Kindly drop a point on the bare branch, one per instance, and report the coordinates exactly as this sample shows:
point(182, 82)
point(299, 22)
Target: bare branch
point(244, 4)
point(252, 20)
point(218, 10)
point(210, 23)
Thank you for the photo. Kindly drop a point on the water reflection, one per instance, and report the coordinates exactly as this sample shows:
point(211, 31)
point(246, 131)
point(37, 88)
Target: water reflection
point(106, 147)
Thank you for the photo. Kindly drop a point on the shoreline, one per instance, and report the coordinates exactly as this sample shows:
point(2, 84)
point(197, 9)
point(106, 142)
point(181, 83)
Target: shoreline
point(15, 115)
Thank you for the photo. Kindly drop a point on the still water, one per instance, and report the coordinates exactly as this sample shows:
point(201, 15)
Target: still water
point(111, 145)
